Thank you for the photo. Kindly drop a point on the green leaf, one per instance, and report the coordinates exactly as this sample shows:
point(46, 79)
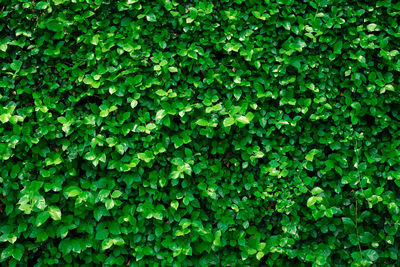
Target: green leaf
point(58, 2)
point(134, 103)
point(110, 204)
point(118, 241)
point(228, 121)
point(371, 27)
point(161, 92)
point(160, 115)
point(137, 79)
point(5, 117)
point(311, 201)
point(16, 65)
point(317, 190)
point(41, 5)
point(202, 122)
point(366, 237)
point(104, 113)
point(72, 191)
point(116, 194)
point(101, 234)
point(192, 54)
point(371, 254)
point(259, 255)
point(18, 252)
point(348, 222)
point(42, 218)
point(55, 26)
point(175, 204)
point(356, 106)
point(337, 48)
point(243, 120)
point(55, 213)
point(310, 155)
point(4, 44)
point(173, 69)
point(107, 243)
point(151, 18)
point(62, 120)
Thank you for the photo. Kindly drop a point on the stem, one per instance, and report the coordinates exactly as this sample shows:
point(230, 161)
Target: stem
point(356, 215)
point(358, 237)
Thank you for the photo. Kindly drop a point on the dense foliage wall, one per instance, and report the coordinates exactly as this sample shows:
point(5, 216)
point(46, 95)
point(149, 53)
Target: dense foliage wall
point(199, 133)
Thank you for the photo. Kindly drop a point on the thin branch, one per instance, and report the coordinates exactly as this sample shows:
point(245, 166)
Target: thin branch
point(356, 215)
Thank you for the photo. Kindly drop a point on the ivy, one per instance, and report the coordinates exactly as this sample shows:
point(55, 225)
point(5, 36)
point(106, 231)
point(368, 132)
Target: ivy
point(199, 133)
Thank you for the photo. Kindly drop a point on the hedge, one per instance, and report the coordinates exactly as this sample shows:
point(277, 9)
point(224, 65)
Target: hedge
point(199, 133)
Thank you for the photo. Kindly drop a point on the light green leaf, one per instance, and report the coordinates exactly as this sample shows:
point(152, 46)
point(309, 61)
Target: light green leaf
point(228, 121)
point(371, 254)
point(202, 122)
point(107, 243)
point(317, 190)
point(160, 115)
point(41, 5)
point(371, 27)
point(72, 191)
point(311, 201)
point(55, 213)
point(243, 119)
point(310, 155)
point(110, 204)
point(173, 69)
point(175, 204)
point(134, 103)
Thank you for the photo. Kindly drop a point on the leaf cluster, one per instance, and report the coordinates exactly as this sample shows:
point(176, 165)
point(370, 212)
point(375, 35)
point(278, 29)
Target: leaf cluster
point(199, 133)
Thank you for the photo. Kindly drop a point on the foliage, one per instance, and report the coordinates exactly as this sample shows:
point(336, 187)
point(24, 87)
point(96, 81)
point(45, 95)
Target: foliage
point(199, 133)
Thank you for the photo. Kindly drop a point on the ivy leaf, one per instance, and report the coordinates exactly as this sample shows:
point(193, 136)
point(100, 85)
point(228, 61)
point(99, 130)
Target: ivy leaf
point(371, 254)
point(110, 204)
point(72, 191)
point(259, 255)
point(371, 27)
point(228, 122)
point(311, 201)
point(317, 190)
point(55, 213)
point(41, 5)
point(173, 69)
point(310, 155)
point(18, 252)
point(174, 204)
point(243, 120)
point(202, 122)
point(42, 218)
